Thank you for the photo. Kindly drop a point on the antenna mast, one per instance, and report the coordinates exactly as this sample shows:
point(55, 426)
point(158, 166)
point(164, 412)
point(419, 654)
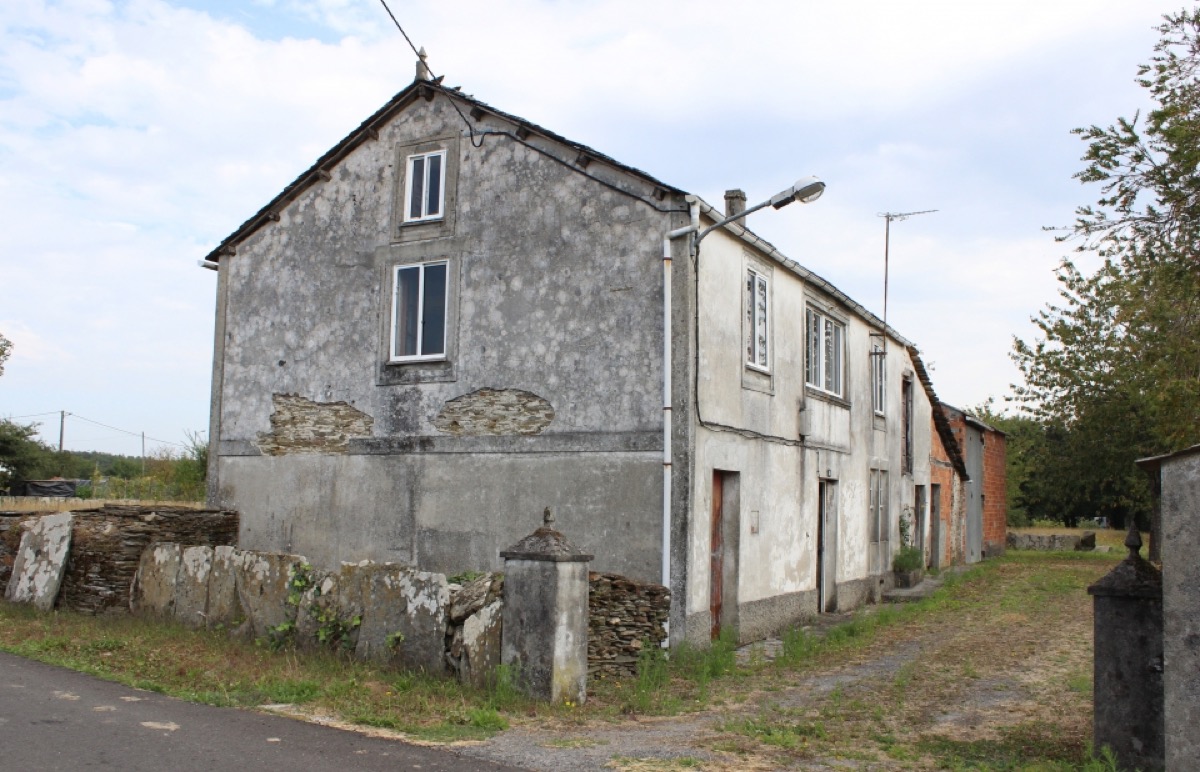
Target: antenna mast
point(887, 240)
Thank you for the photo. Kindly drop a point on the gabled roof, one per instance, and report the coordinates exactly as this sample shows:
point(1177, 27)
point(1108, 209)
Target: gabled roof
point(369, 130)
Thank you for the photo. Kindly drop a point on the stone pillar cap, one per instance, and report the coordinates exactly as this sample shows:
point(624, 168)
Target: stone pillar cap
point(546, 544)
point(1134, 577)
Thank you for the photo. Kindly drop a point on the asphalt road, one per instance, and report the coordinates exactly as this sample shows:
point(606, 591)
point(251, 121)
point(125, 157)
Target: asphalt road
point(56, 719)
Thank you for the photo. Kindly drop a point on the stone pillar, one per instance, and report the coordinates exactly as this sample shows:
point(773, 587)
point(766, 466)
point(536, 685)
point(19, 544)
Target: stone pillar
point(1128, 664)
point(1176, 478)
point(545, 618)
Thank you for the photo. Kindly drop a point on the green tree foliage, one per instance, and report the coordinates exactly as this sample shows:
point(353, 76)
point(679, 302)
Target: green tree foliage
point(5, 350)
point(1115, 372)
point(22, 456)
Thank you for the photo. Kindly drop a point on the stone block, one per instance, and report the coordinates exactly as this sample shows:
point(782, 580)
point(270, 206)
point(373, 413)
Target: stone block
point(1087, 542)
point(404, 622)
point(224, 606)
point(154, 583)
point(331, 608)
point(41, 561)
point(471, 597)
point(480, 647)
point(191, 586)
point(263, 587)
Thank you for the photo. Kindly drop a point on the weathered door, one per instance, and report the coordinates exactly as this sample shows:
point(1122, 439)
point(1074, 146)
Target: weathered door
point(937, 538)
point(919, 525)
point(717, 560)
point(826, 545)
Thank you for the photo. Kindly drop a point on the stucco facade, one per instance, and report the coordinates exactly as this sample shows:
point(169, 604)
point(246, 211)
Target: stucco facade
point(338, 435)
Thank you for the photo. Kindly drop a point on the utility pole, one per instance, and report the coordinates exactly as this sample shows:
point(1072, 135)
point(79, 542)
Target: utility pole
point(62, 428)
point(143, 454)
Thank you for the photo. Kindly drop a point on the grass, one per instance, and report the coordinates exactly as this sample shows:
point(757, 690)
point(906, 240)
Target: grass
point(1023, 613)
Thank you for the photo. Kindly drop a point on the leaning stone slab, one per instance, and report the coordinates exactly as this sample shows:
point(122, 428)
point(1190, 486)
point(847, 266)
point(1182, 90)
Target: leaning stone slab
point(224, 607)
point(41, 561)
point(331, 609)
point(153, 588)
point(263, 587)
point(481, 645)
point(191, 586)
point(404, 622)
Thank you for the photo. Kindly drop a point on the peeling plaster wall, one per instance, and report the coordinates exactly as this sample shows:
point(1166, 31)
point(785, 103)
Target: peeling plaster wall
point(550, 394)
point(779, 482)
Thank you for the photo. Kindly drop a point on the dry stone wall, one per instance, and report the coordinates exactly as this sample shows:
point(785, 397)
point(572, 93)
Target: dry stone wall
point(624, 617)
point(105, 546)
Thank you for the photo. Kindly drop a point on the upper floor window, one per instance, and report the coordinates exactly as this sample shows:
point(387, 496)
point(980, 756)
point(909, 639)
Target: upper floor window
point(424, 186)
point(906, 407)
point(823, 357)
point(419, 312)
point(878, 377)
point(757, 305)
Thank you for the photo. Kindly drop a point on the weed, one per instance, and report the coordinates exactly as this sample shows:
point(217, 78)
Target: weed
point(778, 733)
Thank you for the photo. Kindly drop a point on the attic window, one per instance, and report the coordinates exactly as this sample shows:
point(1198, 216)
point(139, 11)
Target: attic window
point(425, 187)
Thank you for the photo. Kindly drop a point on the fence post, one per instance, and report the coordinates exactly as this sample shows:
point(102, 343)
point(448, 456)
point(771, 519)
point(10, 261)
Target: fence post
point(545, 618)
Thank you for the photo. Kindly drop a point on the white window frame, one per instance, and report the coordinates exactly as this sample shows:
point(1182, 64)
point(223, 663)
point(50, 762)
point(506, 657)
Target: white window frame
point(758, 325)
point(818, 372)
point(411, 175)
point(878, 378)
point(420, 356)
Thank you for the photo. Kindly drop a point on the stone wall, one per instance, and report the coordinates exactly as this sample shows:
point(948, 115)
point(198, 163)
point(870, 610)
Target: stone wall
point(393, 615)
point(624, 617)
point(108, 541)
point(1052, 542)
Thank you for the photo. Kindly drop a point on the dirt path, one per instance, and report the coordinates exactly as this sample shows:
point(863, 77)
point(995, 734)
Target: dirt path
point(998, 669)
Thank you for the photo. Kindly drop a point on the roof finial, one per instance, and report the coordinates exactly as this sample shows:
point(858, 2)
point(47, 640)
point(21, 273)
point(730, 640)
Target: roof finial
point(548, 518)
point(423, 72)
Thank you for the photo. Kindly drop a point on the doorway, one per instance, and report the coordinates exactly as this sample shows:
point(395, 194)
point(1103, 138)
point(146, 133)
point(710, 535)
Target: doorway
point(723, 561)
point(826, 545)
point(919, 524)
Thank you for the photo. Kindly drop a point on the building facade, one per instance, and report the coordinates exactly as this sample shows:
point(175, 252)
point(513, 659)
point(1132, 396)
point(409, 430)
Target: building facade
point(457, 318)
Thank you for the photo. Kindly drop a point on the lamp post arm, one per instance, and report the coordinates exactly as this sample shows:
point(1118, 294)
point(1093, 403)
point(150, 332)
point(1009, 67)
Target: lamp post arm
point(731, 218)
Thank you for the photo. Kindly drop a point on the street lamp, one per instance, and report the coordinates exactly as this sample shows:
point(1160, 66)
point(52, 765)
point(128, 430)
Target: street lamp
point(806, 190)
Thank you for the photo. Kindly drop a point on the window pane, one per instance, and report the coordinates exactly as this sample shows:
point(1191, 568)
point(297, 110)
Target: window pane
point(750, 316)
point(761, 322)
point(408, 282)
point(835, 360)
point(416, 182)
point(828, 356)
point(434, 200)
point(433, 317)
point(810, 356)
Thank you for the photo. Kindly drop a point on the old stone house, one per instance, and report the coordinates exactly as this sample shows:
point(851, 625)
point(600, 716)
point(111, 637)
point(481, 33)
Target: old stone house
point(457, 318)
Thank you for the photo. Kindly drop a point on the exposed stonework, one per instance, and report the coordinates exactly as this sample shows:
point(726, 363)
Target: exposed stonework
point(108, 543)
point(299, 425)
point(624, 617)
point(495, 412)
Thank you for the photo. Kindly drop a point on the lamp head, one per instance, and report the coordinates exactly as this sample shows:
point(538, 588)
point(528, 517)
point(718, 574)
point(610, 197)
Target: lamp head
point(806, 190)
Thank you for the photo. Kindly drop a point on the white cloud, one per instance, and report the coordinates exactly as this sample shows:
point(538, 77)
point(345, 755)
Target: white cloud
point(135, 135)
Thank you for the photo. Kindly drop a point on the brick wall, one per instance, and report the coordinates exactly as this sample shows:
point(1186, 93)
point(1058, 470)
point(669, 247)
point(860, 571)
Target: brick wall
point(995, 491)
point(941, 473)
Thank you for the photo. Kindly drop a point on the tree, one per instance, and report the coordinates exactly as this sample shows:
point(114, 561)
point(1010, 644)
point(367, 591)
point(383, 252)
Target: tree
point(5, 350)
point(1115, 373)
point(22, 457)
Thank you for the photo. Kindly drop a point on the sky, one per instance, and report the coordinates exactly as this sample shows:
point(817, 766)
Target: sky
point(135, 136)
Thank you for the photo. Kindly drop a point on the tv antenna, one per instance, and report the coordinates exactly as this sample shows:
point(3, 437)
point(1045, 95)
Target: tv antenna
point(887, 241)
